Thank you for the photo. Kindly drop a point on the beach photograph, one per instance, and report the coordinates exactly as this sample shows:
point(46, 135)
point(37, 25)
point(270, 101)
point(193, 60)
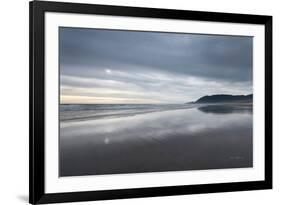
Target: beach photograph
point(146, 101)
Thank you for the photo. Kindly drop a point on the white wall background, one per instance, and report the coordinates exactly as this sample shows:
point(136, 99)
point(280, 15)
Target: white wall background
point(14, 100)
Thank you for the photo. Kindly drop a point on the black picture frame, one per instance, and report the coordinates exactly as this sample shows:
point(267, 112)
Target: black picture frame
point(37, 194)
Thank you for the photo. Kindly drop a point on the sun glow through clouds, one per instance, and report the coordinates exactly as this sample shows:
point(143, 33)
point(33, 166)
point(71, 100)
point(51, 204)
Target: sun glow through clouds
point(108, 71)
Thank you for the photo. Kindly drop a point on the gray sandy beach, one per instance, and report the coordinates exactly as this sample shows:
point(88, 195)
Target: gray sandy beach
point(134, 140)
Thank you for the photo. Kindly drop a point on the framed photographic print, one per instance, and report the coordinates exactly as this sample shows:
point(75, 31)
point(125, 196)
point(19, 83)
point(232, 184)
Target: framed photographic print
point(140, 102)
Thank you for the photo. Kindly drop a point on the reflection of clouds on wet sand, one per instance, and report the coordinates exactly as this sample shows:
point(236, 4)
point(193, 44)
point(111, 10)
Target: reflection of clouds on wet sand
point(185, 139)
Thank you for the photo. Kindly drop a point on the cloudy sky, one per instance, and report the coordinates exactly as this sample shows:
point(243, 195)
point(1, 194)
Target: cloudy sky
point(107, 66)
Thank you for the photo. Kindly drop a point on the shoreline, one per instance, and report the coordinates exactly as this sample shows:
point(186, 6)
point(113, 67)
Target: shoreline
point(119, 114)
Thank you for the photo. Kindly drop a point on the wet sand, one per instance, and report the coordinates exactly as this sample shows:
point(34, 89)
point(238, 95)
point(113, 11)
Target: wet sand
point(187, 139)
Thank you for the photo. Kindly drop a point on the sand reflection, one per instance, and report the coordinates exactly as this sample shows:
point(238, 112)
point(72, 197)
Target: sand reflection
point(185, 139)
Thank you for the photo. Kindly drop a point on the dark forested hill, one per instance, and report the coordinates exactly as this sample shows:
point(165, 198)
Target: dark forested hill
point(225, 98)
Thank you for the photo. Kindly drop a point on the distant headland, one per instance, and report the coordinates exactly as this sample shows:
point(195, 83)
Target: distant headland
point(222, 98)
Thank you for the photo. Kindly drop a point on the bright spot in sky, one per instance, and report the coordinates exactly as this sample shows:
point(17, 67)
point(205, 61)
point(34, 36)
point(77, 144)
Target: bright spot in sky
point(108, 71)
point(106, 140)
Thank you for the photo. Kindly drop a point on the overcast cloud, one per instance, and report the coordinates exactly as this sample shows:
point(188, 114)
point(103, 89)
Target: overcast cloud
point(106, 66)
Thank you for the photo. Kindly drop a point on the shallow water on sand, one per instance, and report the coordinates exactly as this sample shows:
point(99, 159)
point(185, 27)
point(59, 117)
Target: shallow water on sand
point(185, 138)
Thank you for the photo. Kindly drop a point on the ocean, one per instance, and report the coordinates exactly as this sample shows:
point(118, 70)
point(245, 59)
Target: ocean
point(96, 111)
